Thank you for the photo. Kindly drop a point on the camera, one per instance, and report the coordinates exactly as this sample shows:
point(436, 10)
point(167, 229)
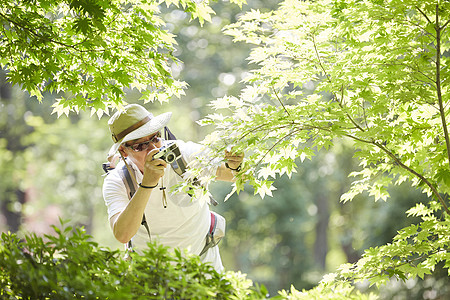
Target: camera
point(169, 153)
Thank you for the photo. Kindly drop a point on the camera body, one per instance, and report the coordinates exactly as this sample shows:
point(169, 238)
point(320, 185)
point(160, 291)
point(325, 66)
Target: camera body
point(169, 153)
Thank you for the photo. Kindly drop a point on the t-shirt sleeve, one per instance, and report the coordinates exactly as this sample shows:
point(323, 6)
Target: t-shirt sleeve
point(114, 193)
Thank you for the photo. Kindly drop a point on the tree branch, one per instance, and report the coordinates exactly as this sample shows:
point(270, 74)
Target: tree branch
point(420, 176)
point(398, 162)
point(401, 164)
point(438, 84)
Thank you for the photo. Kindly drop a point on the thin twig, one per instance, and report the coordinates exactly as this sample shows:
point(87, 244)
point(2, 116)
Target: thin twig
point(329, 80)
point(279, 100)
point(274, 145)
point(445, 25)
point(423, 14)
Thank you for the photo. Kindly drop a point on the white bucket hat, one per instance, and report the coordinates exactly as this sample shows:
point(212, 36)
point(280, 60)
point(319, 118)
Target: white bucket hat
point(134, 122)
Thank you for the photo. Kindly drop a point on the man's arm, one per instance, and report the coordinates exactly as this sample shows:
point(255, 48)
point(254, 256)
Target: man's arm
point(126, 223)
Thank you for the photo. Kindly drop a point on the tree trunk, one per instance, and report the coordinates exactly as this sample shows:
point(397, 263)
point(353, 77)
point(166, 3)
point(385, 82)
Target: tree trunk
point(12, 215)
point(321, 242)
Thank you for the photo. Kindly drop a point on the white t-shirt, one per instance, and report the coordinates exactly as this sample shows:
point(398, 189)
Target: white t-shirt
point(183, 223)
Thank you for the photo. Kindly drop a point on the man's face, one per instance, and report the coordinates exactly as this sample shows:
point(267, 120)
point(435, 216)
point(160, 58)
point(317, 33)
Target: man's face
point(138, 149)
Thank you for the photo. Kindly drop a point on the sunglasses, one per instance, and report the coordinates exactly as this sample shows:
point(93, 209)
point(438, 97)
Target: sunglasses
point(144, 145)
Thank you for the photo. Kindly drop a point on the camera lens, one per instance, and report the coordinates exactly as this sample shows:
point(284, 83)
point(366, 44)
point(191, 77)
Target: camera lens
point(170, 158)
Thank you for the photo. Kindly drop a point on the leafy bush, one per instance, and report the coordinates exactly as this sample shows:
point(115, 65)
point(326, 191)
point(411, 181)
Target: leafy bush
point(70, 265)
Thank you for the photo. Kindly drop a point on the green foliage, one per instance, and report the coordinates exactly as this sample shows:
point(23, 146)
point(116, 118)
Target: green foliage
point(387, 102)
point(372, 72)
point(415, 251)
point(68, 265)
point(341, 291)
point(89, 52)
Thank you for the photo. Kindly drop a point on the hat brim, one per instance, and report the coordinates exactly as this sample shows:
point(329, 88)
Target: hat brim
point(155, 124)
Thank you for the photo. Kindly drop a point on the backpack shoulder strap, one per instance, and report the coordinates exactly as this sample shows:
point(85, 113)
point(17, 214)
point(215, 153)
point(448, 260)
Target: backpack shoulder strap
point(129, 184)
point(168, 135)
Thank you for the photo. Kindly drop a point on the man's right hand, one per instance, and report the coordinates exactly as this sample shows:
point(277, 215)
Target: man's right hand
point(153, 169)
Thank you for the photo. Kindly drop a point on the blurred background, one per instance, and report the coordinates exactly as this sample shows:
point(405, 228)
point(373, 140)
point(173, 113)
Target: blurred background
point(51, 169)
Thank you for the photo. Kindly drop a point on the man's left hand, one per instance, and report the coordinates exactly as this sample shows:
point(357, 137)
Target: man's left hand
point(234, 160)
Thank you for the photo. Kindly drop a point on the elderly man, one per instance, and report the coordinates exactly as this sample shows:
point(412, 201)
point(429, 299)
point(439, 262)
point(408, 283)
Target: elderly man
point(173, 219)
